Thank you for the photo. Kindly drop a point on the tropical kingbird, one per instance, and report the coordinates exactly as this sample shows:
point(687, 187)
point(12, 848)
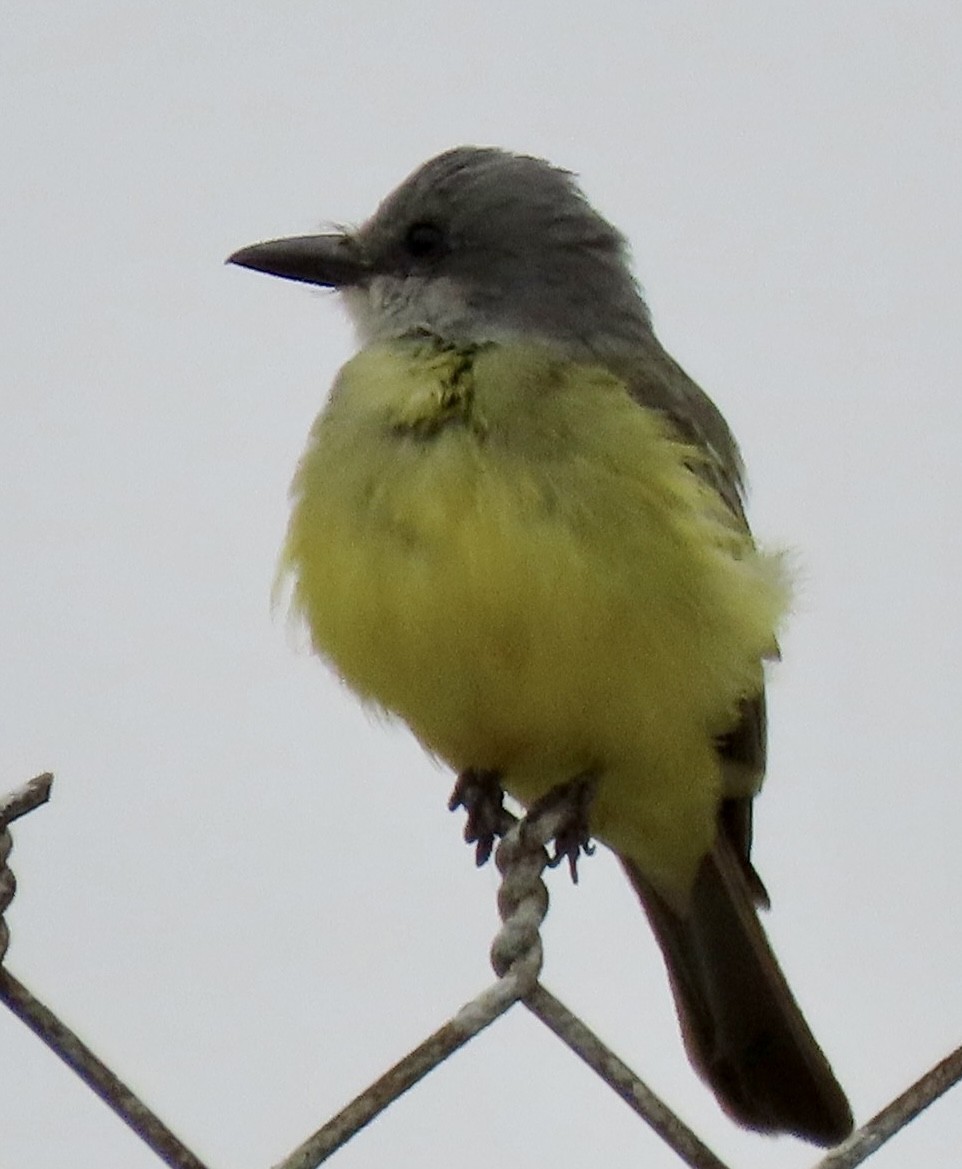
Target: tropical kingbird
point(519, 527)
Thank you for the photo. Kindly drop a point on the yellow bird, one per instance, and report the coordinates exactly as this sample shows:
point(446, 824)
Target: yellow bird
point(518, 526)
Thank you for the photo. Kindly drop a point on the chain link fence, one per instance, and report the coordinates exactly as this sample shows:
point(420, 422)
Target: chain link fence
point(516, 956)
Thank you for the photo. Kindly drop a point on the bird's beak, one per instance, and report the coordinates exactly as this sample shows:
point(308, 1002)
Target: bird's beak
point(335, 261)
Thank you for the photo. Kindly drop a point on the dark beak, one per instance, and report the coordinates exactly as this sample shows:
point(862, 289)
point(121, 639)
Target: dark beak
point(334, 261)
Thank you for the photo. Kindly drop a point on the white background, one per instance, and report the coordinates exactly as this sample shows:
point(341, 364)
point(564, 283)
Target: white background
point(246, 894)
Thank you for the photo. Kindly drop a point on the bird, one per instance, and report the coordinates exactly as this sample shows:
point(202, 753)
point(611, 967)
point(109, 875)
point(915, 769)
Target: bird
point(519, 527)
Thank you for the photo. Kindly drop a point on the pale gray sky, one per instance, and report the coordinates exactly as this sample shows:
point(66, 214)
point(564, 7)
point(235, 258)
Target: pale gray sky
point(247, 895)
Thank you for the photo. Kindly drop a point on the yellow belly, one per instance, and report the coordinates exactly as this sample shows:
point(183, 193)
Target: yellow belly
point(509, 554)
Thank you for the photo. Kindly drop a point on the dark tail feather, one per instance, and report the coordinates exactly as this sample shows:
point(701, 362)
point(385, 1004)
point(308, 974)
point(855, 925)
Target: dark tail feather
point(743, 1030)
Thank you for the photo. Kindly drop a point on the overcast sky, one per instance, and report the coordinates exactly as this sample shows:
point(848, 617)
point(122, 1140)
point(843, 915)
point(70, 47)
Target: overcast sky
point(246, 894)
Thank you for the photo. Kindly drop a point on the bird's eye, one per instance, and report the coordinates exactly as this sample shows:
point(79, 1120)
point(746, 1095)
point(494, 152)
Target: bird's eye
point(424, 240)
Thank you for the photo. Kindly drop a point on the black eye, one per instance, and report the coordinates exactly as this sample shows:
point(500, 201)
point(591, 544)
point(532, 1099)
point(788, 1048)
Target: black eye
point(425, 240)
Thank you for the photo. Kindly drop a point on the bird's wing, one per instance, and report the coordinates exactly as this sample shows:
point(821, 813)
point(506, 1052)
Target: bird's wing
point(657, 382)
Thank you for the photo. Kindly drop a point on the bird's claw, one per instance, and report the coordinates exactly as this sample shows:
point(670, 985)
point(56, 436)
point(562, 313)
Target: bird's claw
point(572, 801)
point(482, 797)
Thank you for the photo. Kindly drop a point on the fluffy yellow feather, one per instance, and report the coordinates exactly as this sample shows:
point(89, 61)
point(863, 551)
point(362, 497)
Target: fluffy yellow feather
point(504, 550)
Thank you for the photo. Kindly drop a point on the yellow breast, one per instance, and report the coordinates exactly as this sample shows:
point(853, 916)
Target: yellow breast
point(504, 550)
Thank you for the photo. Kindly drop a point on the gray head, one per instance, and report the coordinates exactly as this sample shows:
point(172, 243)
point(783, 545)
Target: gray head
point(478, 244)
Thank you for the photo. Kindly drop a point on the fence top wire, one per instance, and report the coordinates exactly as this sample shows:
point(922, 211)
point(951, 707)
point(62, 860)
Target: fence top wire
point(516, 956)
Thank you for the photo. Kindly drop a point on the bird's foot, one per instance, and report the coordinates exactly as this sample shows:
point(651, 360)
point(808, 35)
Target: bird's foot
point(482, 797)
point(571, 803)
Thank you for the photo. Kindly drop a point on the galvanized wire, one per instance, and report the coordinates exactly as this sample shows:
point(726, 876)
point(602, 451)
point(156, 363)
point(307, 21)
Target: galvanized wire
point(55, 1033)
point(96, 1075)
point(516, 956)
point(621, 1079)
point(13, 805)
point(863, 1143)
